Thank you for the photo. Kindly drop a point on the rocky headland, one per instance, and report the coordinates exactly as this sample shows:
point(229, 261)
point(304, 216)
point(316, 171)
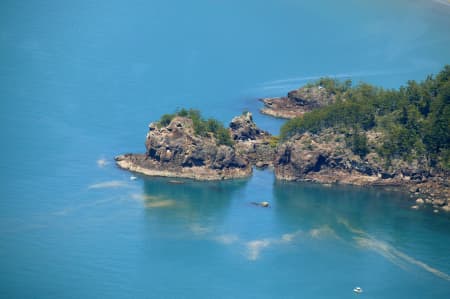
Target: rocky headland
point(298, 102)
point(176, 150)
point(368, 136)
point(327, 159)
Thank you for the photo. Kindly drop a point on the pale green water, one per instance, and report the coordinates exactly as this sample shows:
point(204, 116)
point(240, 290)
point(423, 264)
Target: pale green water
point(80, 81)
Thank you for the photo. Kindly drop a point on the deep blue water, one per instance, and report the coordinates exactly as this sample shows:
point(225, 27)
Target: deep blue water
point(80, 81)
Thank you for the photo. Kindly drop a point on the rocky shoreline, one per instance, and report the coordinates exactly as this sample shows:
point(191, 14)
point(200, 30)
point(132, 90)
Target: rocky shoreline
point(326, 159)
point(140, 163)
point(435, 192)
point(297, 102)
point(177, 151)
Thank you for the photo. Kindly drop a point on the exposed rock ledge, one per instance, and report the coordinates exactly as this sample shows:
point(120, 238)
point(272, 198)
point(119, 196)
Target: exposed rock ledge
point(297, 102)
point(176, 151)
point(141, 163)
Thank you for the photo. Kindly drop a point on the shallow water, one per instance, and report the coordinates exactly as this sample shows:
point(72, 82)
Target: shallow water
point(79, 83)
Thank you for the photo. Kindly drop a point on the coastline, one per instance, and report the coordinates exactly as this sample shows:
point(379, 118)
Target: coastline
point(280, 108)
point(184, 145)
point(434, 191)
point(140, 164)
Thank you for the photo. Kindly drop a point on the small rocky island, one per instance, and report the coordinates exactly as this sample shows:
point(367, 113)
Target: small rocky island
point(186, 146)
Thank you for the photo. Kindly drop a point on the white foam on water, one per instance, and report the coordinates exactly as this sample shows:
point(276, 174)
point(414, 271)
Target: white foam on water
point(289, 82)
point(254, 248)
point(349, 227)
point(321, 232)
point(67, 210)
point(102, 162)
point(289, 237)
point(108, 184)
point(444, 2)
point(199, 229)
point(146, 197)
point(160, 203)
point(226, 239)
point(396, 256)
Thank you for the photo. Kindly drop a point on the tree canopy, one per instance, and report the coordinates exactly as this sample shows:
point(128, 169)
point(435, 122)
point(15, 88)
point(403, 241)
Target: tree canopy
point(414, 120)
point(202, 127)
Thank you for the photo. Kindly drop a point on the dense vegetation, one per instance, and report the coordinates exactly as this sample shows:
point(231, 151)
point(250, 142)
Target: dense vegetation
point(414, 120)
point(202, 127)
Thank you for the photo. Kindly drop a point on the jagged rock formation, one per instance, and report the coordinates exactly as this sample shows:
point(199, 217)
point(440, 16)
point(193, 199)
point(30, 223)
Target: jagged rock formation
point(322, 159)
point(326, 158)
point(176, 151)
point(253, 143)
point(243, 128)
point(297, 102)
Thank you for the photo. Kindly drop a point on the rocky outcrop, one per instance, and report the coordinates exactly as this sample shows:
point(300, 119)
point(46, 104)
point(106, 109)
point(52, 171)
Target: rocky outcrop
point(259, 153)
point(176, 151)
point(297, 102)
point(256, 145)
point(243, 128)
point(326, 158)
point(322, 158)
point(433, 191)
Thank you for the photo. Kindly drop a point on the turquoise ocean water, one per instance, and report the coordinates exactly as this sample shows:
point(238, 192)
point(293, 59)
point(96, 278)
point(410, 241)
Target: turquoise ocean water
point(81, 80)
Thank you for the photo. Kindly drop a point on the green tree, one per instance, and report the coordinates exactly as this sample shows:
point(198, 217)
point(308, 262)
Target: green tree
point(202, 127)
point(415, 119)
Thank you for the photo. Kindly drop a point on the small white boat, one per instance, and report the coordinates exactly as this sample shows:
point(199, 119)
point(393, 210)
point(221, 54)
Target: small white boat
point(357, 290)
point(133, 178)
